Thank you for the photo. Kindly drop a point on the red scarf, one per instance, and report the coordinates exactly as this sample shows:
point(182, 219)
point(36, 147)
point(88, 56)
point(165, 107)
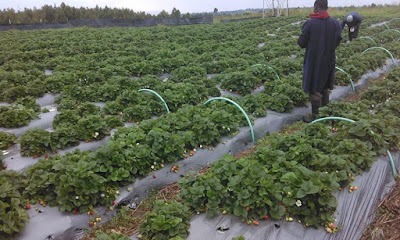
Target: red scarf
point(321, 15)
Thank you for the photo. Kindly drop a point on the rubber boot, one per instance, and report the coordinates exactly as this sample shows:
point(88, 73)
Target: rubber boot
point(325, 98)
point(316, 102)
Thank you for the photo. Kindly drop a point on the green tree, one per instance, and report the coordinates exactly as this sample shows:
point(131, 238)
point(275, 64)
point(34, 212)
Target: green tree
point(163, 14)
point(175, 13)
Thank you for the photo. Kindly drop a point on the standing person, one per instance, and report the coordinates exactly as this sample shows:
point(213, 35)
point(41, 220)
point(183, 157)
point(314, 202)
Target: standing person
point(353, 21)
point(320, 36)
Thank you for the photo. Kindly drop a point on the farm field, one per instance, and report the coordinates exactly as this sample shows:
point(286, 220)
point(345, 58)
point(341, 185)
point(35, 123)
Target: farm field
point(138, 97)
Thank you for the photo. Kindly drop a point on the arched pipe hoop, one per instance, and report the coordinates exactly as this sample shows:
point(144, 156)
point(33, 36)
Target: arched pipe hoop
point(367, 37)
point(269, 67)
point(348, 75)
point(158, 95)
point(391, 30)
point(393, 19)
point(394, 173)
point(381, 48)
point(240, 108)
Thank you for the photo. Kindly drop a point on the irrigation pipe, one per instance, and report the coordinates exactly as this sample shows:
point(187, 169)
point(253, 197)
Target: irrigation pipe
point(384, 49)
point(391, 163)
point(391, 30)
point(348, 75)
point(333, 118)
point(386, 25)
point(368, 37)
point(393, 19)
point(394, 172)
point(158, 95)
point(269, 67)
point(240, 108)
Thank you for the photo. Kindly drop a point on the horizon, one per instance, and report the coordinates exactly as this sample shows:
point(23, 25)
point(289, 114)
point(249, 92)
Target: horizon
point(156, 6)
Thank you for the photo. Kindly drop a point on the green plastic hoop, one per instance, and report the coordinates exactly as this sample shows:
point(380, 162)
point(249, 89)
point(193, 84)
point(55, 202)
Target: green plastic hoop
point(240, 108)
point(368, 37)
point(384, 49)
point(158, 95)
point(269, 67)
point(348, 75)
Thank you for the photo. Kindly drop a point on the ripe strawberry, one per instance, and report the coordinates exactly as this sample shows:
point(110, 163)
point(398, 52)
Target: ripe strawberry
point(75, 211)
point(27, 206)
point(255, 223)
point(91, 213)
point(113, 203)
point(91, 224)
point(265, 217)
point(331, 226)
point(247, 209)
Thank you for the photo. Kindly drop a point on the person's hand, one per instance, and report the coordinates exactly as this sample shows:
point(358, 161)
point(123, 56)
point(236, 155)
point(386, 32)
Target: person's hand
point(352, 29)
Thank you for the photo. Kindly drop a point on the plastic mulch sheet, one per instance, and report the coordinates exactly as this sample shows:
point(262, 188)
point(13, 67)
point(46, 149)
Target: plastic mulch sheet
point(353, 213)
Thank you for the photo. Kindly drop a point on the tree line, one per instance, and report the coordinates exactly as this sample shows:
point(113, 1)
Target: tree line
point(65, 13)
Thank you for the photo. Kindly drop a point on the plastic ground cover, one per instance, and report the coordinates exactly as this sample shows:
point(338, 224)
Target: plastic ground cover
point(353, 213)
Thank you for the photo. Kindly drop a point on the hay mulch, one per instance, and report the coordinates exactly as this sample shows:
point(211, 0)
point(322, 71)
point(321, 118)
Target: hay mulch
point(386, 225)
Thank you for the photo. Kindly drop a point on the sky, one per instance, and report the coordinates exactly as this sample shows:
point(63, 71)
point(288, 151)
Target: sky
point(184, 6)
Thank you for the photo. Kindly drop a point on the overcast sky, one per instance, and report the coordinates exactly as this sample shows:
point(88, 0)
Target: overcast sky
point(155, 6)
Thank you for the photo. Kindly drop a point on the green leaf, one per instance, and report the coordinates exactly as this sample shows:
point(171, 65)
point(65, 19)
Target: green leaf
point(240, 211)
point(277, 212)
point(309, 188)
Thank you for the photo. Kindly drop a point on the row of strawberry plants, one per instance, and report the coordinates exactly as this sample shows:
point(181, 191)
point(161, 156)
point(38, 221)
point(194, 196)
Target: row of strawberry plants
point(294, 175)
point(92, 179)
point(83, 122)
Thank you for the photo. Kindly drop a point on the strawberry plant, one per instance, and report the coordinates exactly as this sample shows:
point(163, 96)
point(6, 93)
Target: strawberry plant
point(63, 137)
point(82, 184)
point(167, 220)
point(186, 72)
point(29, 103)
point(239, 82)
point(16, 116)
point(35, 142)
point(91, 127)
point(7, 140)
point(12, 213)
point(13, 93)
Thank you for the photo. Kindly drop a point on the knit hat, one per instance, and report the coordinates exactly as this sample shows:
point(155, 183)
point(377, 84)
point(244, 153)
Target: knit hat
point(321, 4)
point(349, 18)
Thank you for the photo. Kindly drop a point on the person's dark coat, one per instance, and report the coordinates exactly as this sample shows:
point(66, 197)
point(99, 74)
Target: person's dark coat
point(355, 24)
point(356, 20)
point(320, 37)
